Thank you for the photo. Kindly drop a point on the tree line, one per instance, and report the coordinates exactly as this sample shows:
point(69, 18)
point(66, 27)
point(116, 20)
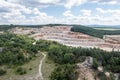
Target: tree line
point(93, 32)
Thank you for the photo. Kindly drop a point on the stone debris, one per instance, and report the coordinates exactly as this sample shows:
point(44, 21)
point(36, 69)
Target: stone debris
point(107, 74)
point(84, 70)
point(100, 68)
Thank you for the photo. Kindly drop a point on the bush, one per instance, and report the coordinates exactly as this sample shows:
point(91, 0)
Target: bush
point(102, 76)
point(21, 71)
point(63, 72)
point(2, 72)
point(30, 68)
point(95, 64)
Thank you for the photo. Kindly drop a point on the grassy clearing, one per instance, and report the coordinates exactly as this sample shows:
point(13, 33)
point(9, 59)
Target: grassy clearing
point(110, 29)
point(47, 68)
point(31, 68)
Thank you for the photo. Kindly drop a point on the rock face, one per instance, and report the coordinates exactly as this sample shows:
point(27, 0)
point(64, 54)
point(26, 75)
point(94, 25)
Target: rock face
point(115, 39)
point(84, 70)
point(85, 73)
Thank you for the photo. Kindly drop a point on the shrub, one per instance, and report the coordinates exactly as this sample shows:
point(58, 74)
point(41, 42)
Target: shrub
point(21, 71)
point(2, 72)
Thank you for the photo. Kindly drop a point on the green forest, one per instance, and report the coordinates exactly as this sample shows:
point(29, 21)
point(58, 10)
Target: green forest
point(93, 32)
point(15, 50)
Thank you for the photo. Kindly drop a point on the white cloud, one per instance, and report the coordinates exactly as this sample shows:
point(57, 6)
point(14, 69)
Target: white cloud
point(86, 12)
point(19, 14)
point(109, 11)
point(100, 10)
point(71, 3)
point(11, 6)
point(48, 1)
point(68, 13)
point(66, 3)
point(37, 12)
point(87, 17)
point(113, 2)
point(35, 3)
point(28, 12)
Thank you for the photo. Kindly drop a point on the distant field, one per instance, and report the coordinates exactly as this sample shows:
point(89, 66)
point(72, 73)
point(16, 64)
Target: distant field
point(107, 28)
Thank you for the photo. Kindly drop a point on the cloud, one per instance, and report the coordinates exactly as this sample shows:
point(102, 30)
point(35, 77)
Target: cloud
point(8, 7)
point(3, 10)
point(29, 12)
point(68, 13)
point(106, 1)
point(109, 11)
point(88, 17)
point(71, 3)
point(48, 1)
point(68, 4)
point(86, 12)
point(35, 3)
point(100, 10)
point(12, 13)
point(17, 17)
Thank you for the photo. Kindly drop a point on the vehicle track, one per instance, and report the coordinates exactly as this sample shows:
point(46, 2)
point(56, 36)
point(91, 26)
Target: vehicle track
point(40, 65)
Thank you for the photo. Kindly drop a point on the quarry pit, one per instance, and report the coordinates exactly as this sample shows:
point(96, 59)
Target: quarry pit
point(64, 35)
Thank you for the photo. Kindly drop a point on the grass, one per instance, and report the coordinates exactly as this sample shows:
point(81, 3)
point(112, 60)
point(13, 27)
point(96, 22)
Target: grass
point(31, 68)
point(47, 68)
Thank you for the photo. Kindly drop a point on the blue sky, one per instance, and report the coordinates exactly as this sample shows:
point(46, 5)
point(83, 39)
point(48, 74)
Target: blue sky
point(85, 12)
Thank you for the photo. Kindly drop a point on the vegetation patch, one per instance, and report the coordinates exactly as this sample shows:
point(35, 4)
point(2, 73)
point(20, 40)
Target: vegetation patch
point(65, 57)
point(20, 71)
point(18, 50)
point(94, 32)
point(2, 72)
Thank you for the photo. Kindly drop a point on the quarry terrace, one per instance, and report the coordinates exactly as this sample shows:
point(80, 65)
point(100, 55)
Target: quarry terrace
point(64, 35)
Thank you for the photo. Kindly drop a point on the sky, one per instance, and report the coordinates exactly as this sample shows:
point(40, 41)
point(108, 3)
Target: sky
point(84, 12)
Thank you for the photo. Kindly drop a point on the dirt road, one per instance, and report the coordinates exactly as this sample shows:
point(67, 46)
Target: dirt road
point(40, 65)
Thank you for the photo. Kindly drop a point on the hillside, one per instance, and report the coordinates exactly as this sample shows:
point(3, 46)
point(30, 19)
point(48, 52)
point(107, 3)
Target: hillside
point(93, 32)
point(18, 50)
point(15, 50)
point(64, 57)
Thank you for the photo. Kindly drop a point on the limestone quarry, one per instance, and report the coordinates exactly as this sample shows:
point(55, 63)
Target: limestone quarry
point(65, 36)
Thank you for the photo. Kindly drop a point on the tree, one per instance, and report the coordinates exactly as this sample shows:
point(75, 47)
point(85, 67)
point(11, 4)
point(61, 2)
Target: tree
point(95, 64)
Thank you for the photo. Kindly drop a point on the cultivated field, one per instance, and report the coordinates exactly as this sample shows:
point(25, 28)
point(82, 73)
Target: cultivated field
point(107, 28)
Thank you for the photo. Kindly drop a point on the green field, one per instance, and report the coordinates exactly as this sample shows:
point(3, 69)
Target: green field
point(110, 29)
